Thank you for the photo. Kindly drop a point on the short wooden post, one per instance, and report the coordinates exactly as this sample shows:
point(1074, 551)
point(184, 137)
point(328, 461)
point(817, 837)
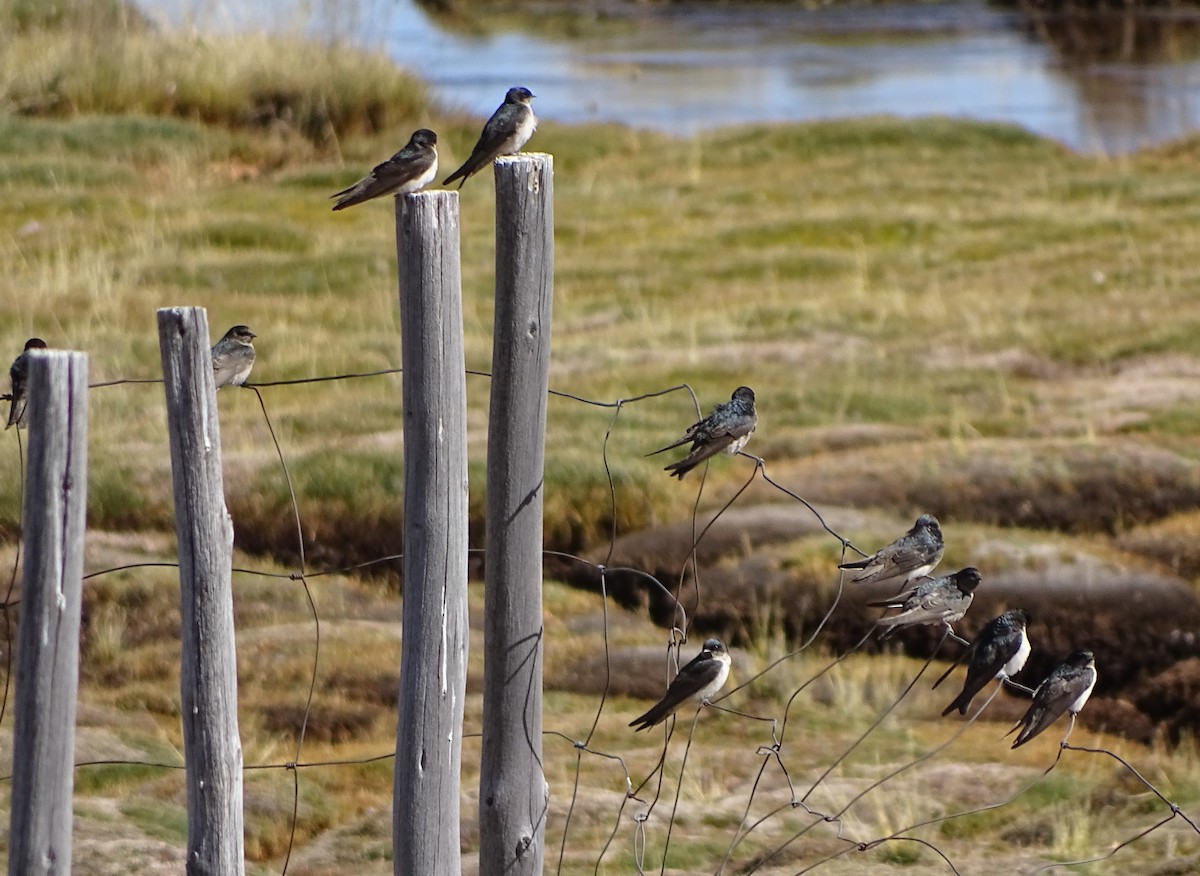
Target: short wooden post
point(513, 793)
point(48, 662)
point(433, 668)
point(208, 677)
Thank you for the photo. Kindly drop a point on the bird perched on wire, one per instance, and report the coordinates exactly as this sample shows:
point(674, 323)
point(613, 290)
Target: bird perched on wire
point(509, 128)
point(233, 357)
point(19, 375)
point(409, 170)
point(702, 677)
point(913, 555)
point(1066, 689)
point(727, 429)
point(942, 600)
point(998, 651)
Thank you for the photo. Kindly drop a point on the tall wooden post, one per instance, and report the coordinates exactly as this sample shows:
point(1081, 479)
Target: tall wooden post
point(208, 676)
point(513, 793)
point(433, 667)
point(48, 662)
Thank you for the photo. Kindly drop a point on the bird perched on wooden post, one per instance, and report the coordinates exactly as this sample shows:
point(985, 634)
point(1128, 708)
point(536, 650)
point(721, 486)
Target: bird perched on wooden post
point(509, 128)
point(233, 357)
point(409, 170)
point(18, 374)
point(727, 429)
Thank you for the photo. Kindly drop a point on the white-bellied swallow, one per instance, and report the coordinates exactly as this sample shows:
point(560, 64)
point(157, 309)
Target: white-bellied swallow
point(727, 429)
point(999, 650)
point(409, 170)
point(941, 600)
point(19, 375)
point(702, 677)
point(1066, 689)
point(911, 556)
point(509, 128)
point(233, 357)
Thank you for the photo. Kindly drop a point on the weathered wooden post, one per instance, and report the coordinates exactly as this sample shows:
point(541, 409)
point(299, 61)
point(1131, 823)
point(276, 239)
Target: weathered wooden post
point(433, 667)
point(208, 676)
point(48, 662)
point(513, 793)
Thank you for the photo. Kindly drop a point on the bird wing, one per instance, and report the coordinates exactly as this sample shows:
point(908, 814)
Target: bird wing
point(900, 600)
point(731, 425)
point(892, 561)
point(700, 672)
point(497, 130)
point(986, 664)
point(936, 604)
point(1053, 697)
point(229, 364)
point(689, 436)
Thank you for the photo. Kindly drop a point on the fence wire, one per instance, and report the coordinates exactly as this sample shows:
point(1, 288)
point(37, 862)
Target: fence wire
point(778, 754)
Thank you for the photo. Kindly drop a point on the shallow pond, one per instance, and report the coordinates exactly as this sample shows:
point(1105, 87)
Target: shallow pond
point(682, 69)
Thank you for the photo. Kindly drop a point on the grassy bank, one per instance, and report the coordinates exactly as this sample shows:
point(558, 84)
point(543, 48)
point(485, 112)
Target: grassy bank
point(104, 57)
point(880, 283)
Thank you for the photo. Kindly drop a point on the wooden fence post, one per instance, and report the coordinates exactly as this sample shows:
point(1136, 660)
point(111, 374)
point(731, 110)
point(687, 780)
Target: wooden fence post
point(48, 662)
point(433, 668)
point(208, 676)
point(513, 793)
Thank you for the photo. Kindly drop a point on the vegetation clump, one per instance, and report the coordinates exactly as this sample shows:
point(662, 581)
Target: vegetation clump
point(53, 64)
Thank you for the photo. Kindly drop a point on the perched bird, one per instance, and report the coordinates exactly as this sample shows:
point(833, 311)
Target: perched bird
point(698, 680)
point(509, 128)
point(1066, 689)
point(998, 651)
point(911, 556)
point(727, 428)
point(409, 170)
point(19, 375)
point(233, 357)
point(942, 600)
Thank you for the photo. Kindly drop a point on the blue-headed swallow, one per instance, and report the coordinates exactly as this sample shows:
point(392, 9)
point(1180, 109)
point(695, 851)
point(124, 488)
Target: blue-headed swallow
point(726, 429)
point(409, 170)
point(702, 677)
point(913, 555)
point(509, 128)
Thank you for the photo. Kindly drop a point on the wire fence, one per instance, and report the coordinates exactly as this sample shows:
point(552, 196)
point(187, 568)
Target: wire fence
point(780, 803)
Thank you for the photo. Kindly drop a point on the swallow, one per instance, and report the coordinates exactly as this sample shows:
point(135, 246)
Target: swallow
point(233, 357)
point(409, 170)
point(509, 128)
point(698, 680)
point(999, 650)
point(727, 428)
point(19, 375)
point(1066, 689)
point(911, 556)
point(941, 600)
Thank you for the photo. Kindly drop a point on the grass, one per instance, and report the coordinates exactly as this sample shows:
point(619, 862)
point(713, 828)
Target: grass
point(962, 310)
point(343, 814)
point(939, 314)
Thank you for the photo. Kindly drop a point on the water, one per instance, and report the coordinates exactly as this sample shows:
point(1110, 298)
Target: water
point(682, 70)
